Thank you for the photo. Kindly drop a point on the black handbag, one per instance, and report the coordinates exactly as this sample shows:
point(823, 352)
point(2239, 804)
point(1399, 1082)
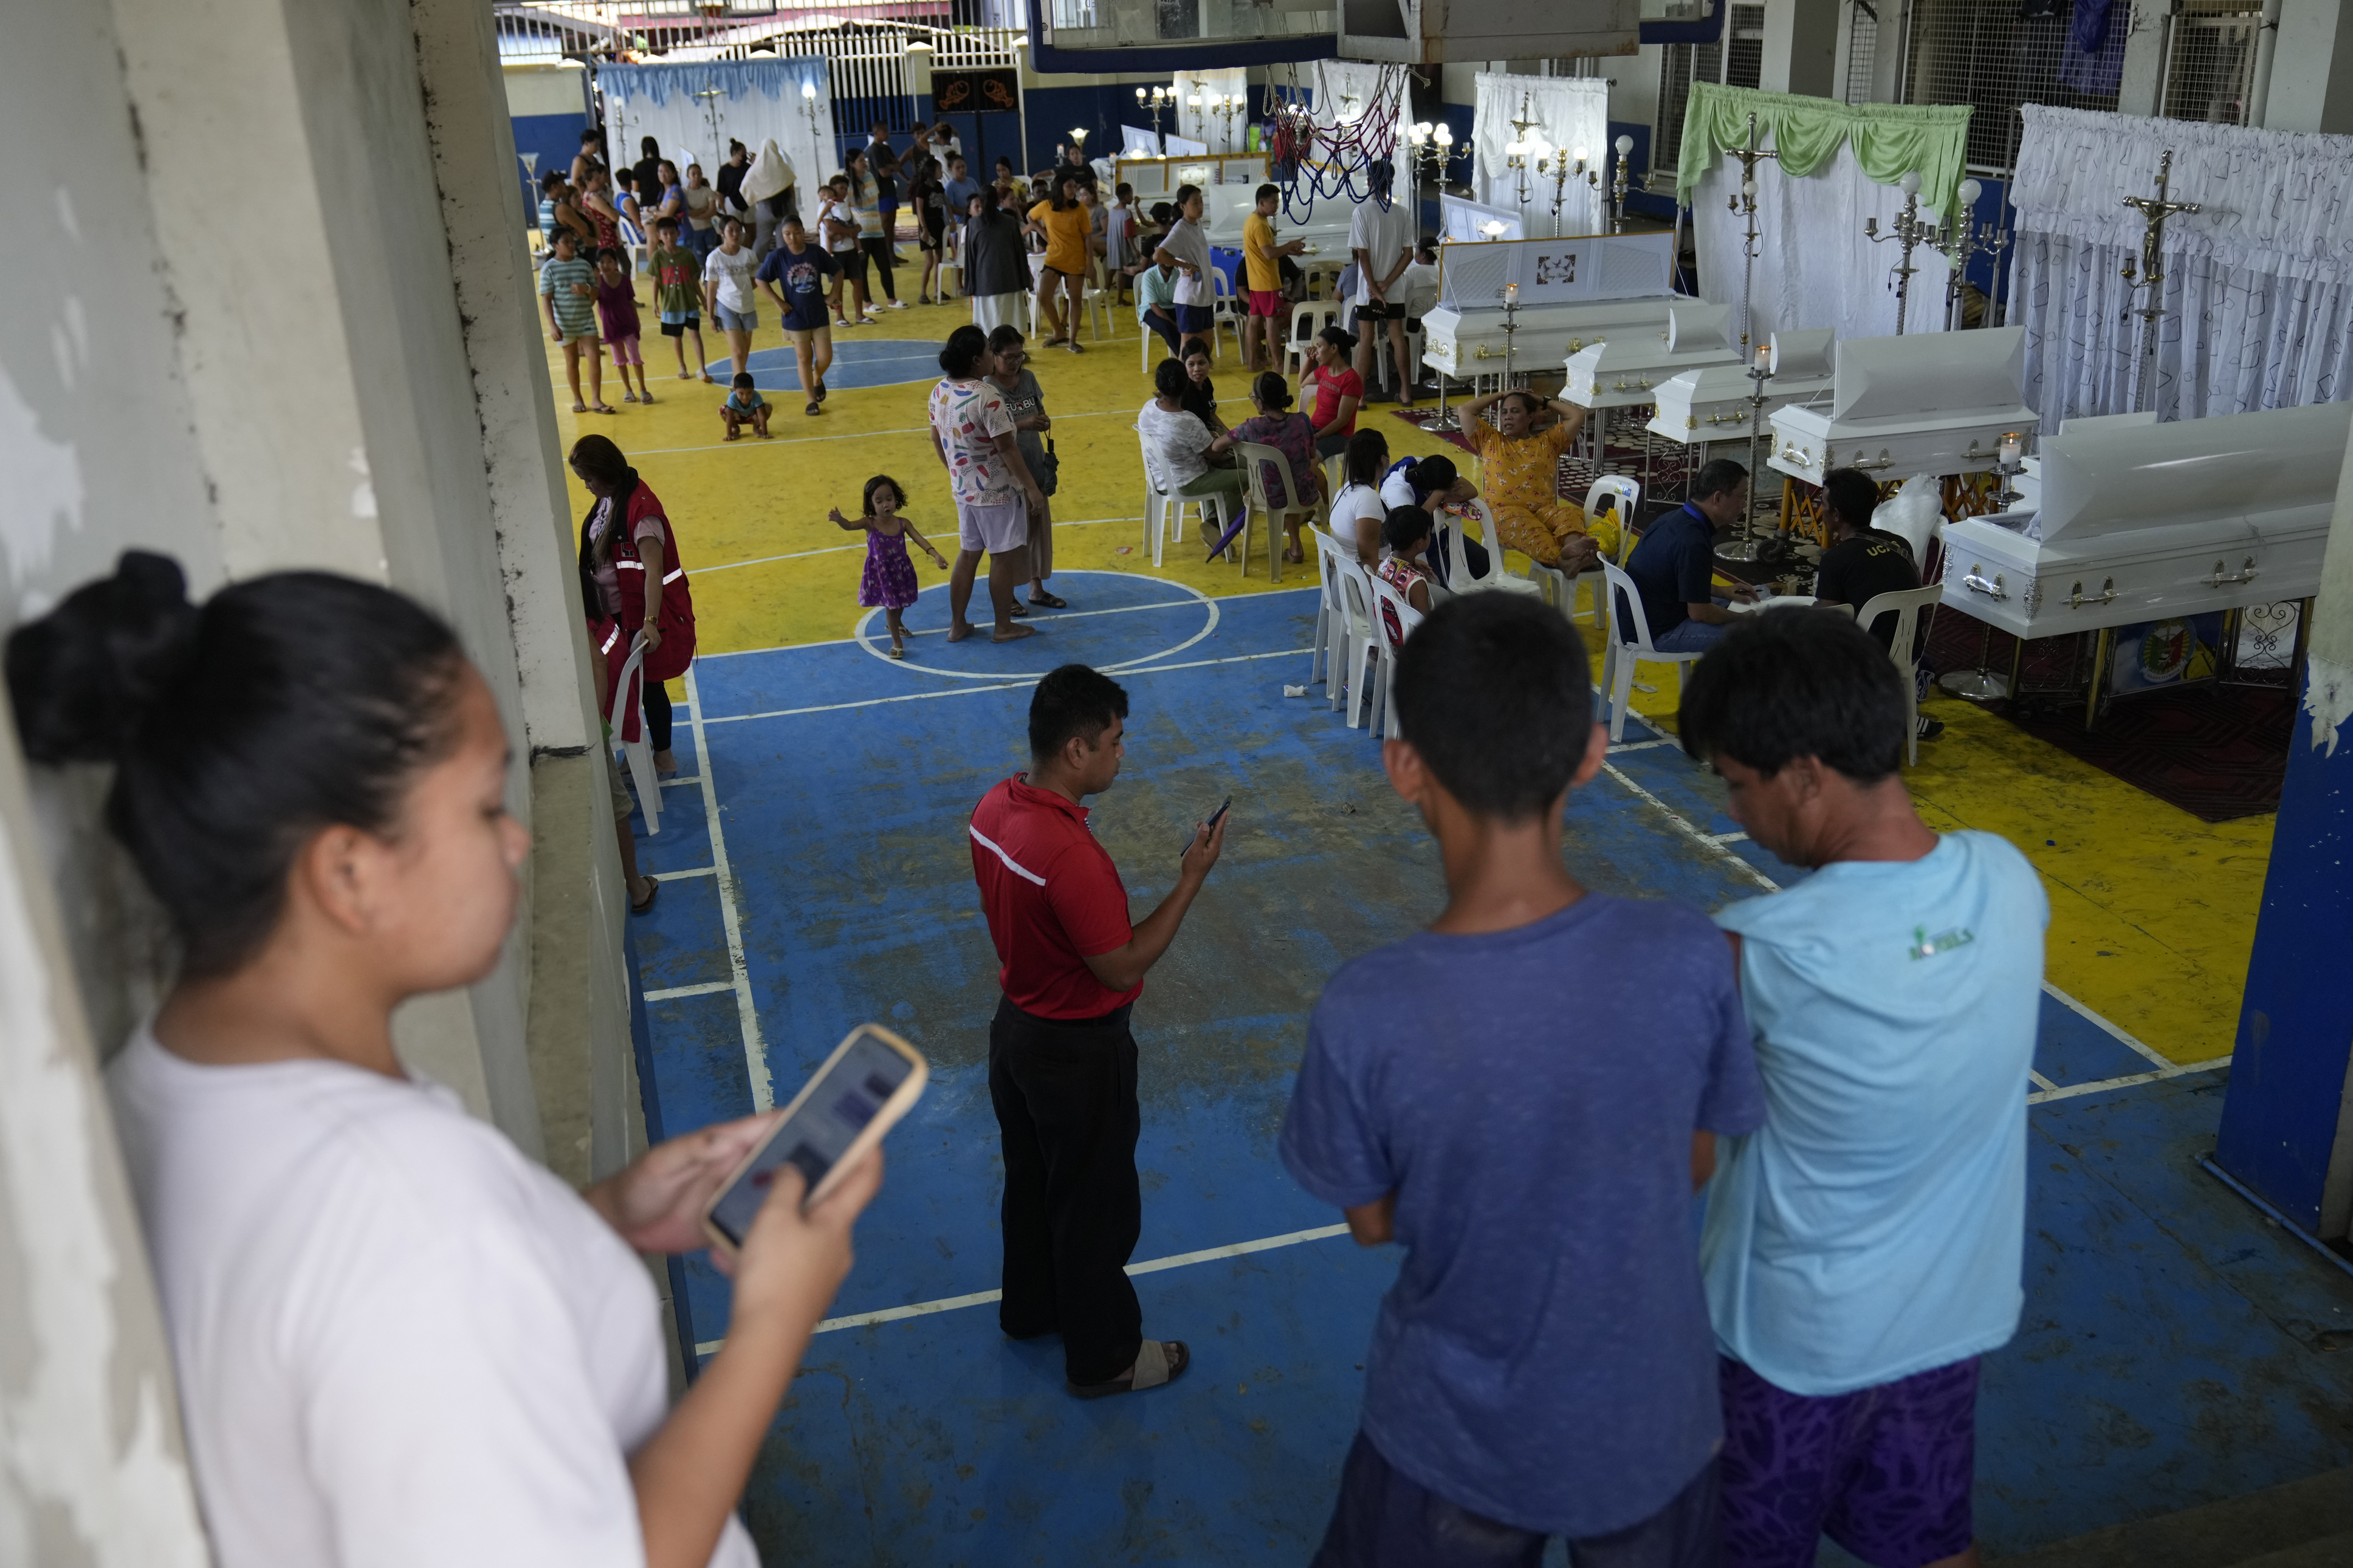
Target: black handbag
point(1049, 468)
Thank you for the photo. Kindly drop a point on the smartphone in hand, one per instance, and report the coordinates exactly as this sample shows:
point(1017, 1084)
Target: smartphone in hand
point(870, 1080)
point(1211, 824)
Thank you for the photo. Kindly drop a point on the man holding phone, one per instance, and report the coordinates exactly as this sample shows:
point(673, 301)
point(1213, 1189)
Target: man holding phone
point(1061, 1061)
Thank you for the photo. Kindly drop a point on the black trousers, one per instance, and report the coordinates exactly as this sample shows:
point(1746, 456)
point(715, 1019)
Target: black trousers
point(1065, 1099)
point(1166, 328)
point(658, 720)
point(878, 250)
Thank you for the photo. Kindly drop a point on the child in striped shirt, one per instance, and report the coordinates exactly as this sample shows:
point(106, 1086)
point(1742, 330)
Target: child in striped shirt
point(568, 287)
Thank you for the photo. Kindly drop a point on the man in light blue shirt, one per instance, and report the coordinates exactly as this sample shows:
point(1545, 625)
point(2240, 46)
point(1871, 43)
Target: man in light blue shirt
point(1865, 1245)
point(1156, 301)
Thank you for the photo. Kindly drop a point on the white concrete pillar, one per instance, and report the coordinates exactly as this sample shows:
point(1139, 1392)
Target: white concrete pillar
point(1801, 48)
point(2141, 83)
point(2312, 68)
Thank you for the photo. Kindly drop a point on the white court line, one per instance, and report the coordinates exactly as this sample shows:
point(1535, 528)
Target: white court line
point(2165, 1068)
point(999, 686)
point(755, 1056)
point(2072, 1005)
point(688, 779)
point(682, 876)
point(838, 549)
point(1117, 609)
point(1637, 746)
point(981, 1298)
point(708, 988)
point(2039, 1081)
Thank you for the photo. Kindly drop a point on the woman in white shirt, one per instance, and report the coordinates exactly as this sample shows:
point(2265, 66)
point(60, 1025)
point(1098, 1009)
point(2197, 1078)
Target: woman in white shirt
point(1186, 248)
point(1357, 511)
point(1177, 448)
point(397, 1340)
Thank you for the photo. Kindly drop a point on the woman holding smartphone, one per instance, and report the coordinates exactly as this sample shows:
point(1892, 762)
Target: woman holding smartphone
point(398, 1340)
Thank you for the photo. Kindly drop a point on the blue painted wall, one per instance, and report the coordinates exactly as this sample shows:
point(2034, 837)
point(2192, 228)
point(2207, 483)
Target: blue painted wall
point(555, 138)
point(2295, 1031)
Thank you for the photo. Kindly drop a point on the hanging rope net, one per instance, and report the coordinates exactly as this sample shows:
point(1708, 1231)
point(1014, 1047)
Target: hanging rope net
point(1347, 150)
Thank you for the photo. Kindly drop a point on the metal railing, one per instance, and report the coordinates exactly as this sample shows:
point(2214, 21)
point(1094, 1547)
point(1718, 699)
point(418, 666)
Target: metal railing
point(2209, 62)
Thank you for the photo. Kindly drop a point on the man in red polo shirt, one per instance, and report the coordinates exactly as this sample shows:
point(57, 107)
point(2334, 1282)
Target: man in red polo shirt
point(1062, 1062)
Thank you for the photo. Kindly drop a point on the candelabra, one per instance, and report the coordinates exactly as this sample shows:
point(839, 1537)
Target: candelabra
point(1618, 186)
point(1511, 325)
point(1159, 99)
point(1225, 106)
point(1748, 547)
point(1517, 152)
point(2156, 210)
point(1961, 238)
point(1910, 231)
point(1744, 204)
point(1430, 150)
point(1562, 172)
point(817, 138)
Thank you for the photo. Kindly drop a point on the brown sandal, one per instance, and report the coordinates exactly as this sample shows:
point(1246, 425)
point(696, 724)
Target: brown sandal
point(1157, 1362)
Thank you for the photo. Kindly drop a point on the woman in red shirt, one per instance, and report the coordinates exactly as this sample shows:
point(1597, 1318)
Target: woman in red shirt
point(1338, 390)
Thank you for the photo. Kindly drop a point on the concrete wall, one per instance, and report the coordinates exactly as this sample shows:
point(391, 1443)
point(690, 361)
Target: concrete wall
point(357, 383)
point(2312, 71)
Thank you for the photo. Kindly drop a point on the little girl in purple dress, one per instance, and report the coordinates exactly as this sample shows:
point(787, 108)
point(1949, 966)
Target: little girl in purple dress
point(889, 583)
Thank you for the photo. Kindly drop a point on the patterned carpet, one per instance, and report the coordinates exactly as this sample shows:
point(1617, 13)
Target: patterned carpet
point(2217, 751)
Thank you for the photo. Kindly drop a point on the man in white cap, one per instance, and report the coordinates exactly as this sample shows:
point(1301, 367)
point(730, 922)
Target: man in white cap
point(764, 184)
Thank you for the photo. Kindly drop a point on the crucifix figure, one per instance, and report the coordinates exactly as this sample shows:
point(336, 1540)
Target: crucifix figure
point(2155, 210)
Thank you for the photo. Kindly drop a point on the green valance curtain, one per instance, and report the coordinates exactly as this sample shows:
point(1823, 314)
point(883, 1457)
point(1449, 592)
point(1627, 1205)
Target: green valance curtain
point(1887, 138)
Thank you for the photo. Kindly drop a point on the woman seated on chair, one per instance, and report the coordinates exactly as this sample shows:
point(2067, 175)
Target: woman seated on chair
point(1277, 426)
point(1407, 533)
point(1357, 511)
point(1519, 475)
point(1200, 392)
point(1434, 482)
point(1177, 450)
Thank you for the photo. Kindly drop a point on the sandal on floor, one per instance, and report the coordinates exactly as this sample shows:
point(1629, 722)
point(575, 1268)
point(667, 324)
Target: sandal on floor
point(897, 652)
point(1157, 1362)
point(653, 891)
point(1018, 608)
point(579, 408)
point(1045, 601)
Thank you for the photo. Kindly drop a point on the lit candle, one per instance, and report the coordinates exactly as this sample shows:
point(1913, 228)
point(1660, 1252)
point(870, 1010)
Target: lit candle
point(2009, 449)
point(1511, 294)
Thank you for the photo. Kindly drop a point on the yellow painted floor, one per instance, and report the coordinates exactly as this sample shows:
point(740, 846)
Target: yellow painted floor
point(2153, 911)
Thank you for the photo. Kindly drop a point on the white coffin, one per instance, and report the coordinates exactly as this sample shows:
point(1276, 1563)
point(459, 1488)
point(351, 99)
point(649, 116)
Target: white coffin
point(1468, 342)
point(1712, 405)
point(1937, 403)
point(2137, 524)
point(1625, 371)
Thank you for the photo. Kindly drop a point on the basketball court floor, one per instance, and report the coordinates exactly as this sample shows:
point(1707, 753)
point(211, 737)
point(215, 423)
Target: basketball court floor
point(816, 874)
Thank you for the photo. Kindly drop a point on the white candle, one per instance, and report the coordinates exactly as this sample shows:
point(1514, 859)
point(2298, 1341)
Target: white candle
point(2009, 449)
point(1511, 294)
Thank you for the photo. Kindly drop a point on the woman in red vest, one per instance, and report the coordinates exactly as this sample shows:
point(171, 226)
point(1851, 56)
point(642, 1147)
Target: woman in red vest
point(635, 590)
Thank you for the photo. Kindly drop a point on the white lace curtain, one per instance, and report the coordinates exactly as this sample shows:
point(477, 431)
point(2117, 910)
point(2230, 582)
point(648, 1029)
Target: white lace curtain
point(1814, 265)
point(2259, 283)
point(1568, 112)
point(695, 109)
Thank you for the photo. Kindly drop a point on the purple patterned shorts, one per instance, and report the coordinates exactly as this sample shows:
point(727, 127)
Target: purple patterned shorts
point(1885, 1471)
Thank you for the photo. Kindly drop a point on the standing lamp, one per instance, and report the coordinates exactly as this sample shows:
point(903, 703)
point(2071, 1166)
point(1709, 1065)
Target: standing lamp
point(1909, 231)
point(1618, 186)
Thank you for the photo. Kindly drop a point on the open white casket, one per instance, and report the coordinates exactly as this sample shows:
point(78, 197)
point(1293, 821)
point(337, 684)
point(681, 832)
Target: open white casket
point(2143, 521)
point(1574, 291)
point(1625, 371)
point(1935, 403)
point(1712, 404)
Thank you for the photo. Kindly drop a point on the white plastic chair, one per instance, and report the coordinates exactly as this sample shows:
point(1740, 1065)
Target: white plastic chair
point(1624, 495)
point(1164, 511)
point(1365, 637)
point(1300, 499)
point(1622, 652)
point(1387, 600)
point(1298, 347)
point(1223, 312)
point(1905, 607)
point(1458, 559)
point(1323, 658)
point(638, 755)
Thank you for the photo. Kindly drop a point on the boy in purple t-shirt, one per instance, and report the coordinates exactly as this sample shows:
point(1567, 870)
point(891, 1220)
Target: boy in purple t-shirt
point(1524, 1095)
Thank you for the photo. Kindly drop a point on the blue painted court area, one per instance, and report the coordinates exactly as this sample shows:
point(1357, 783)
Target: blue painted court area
point(859, 360)
point(2167, 1355)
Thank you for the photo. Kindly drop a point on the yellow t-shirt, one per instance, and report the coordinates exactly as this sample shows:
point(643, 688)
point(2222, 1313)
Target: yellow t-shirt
point(1258, 255)
point(1066, 237)
point(1521, 470)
